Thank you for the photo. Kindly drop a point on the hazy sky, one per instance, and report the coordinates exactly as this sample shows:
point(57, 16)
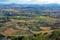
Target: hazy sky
point(30, 1)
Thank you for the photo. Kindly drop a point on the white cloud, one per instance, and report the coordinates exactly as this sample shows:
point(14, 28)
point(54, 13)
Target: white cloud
point(45, 1)
point(33, 1)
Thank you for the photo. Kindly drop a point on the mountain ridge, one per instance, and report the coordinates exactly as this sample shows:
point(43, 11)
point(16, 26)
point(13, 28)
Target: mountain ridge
point(14, 4)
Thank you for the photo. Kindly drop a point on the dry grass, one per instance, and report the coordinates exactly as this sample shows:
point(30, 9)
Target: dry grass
point(45, 28)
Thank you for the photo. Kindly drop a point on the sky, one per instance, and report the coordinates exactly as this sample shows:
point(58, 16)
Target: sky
point(29, 1)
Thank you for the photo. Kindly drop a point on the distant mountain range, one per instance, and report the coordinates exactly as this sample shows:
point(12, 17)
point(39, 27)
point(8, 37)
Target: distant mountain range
point(28, 9)
point(30, 5)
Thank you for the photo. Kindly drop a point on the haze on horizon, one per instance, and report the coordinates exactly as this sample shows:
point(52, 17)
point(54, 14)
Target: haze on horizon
point(29, 1)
